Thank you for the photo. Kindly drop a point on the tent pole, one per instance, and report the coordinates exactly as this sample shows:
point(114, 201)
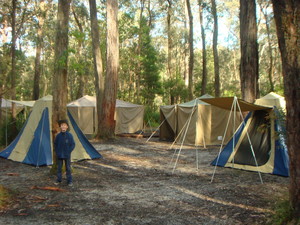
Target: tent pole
point(253, 153)
point(188, 124)
point(232, 106)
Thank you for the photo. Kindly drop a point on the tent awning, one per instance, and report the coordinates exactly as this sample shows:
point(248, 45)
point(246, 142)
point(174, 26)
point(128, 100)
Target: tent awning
point(226, 103)
point(24, 103)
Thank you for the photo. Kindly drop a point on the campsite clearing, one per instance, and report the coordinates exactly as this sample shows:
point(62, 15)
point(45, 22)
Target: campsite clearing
point(134, 184)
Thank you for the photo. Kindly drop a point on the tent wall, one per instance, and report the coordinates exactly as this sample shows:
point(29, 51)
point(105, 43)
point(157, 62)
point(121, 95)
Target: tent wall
point(168, 124)
point(33, 144)
point(83, 115)
point(207, 124)
point(270, 151)
point(129, 119)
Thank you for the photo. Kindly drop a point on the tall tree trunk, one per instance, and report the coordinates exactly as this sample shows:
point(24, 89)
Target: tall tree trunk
point(249, 50)
point(39, 45)
point(81, 74)
point(138, 69)
point(13, 65)
point(60, 78)
point(287, 18)
point(270, 50)
point(98, 67)
point(204, 58)
point(215, 49)
point(170, 47)
point(111, 79)
point(191, 50)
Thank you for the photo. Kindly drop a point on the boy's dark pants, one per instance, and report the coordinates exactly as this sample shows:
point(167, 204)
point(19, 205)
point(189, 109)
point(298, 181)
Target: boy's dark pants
point(68, 170)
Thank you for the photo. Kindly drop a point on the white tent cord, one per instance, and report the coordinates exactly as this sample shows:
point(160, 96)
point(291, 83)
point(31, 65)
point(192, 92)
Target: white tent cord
point(223, 141)
point(189, 121)
point(159, 126)
point(253, 153)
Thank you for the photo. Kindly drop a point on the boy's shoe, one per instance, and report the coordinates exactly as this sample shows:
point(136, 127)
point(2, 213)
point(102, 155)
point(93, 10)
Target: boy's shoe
point(57, 183)
point(70, 184)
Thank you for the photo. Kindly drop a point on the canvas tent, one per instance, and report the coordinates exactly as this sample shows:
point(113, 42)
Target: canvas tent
point(272, 99)
point(33, 145)
point(266, 141)
point(195, 122)
point(129, 117)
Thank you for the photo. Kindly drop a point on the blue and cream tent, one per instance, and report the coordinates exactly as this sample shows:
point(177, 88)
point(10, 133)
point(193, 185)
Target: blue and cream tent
point(33, 145)
point(265, 132)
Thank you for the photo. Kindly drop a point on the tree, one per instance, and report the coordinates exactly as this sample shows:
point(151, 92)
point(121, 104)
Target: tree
point(215, 49)
point(249, 50)
point(98, 67)
point(191, 50)
point(110, 91)
point(41, 14)
point(60, 77)
point(287, 18)
point(204, 58)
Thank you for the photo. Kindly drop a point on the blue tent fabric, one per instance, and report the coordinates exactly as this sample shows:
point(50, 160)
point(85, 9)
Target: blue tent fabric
point(263, 149)
point(92, 152)
point(281, 156)
point(222, 159)
point(34, 146)
point(40, 153)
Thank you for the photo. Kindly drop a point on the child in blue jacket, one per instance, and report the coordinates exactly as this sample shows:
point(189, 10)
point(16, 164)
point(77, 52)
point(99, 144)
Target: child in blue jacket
point(64, 145)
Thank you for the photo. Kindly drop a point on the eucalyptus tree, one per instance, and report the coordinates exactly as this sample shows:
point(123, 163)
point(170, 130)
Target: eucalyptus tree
point(249, 50)
point(112, 59)
point(60, 76)
point(41, 11)
point(215, 49)
point(287, 17)
point(98, 66)
point(191, 50)
point(203, 42)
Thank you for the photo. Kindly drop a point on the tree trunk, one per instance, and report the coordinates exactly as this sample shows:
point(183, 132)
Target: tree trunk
point(191, 51)
point(111, 79)
point(271, 63)
point(13, 65)
point(215, 49)
point(287, 18)
point(249, 50)
point(204, 60)
point(39, 46)
point(98, 67)
point(60, 85)
point(138, 69)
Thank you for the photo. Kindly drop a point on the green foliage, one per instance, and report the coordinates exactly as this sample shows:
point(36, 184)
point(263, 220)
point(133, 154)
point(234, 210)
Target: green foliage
point(7, 135)
point(151, 118)
point(283, 213)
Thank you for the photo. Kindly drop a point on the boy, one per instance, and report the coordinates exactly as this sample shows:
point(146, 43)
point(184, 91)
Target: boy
point(64, 145)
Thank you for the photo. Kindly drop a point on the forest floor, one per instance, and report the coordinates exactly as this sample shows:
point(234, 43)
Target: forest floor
point(136, 182)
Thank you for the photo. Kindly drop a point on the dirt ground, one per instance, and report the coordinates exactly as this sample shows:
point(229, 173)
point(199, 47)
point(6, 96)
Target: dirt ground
point(137, 182)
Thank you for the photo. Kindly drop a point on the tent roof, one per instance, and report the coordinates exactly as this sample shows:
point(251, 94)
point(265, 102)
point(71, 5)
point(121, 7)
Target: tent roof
point(196, 101)
point(24, 103)
point(272, 95)
point(90, 101)
point(85, 101)
point(7, 103)
point(226, 103)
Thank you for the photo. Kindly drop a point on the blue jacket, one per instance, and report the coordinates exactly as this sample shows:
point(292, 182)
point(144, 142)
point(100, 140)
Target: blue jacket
point(63, 145)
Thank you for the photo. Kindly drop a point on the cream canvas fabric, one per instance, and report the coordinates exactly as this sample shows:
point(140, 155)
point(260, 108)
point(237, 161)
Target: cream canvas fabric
point(129, 117)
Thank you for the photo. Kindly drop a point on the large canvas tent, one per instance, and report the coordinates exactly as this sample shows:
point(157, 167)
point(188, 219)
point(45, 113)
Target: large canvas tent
point(258, 144)
point(33, 145)
point(272, 99)
point(195, 122)
point(129, 117)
